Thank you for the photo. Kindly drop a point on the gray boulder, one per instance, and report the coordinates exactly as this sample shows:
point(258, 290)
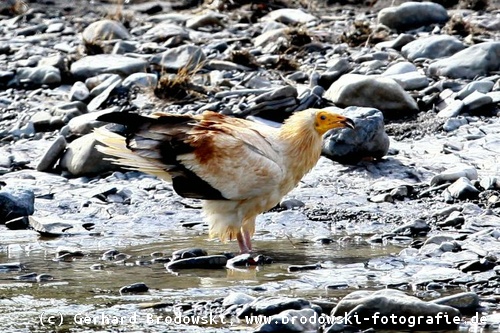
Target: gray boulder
point(477, 60)
point(433, 47)
point(105, 30)
point(388, 304)
point(381, 93)
point(368, 139)
point(38, 76)
point(411, 15)
point(86, 123)
point(289, 16)
point(185, 56)
point(82, 158)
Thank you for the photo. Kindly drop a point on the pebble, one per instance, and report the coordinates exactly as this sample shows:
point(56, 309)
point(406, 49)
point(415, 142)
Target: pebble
point(53, 226)
point(11, 267)
point(143, 80)
point(139, 287)
point(453, 220)
point(38, 76)
point(188, 253)
point(289, 16)
point(454, 174)
point(93, 65)
point(273, 305)
point(79, 92)
point(237, 298)
point(185, 56)
point(291, 204)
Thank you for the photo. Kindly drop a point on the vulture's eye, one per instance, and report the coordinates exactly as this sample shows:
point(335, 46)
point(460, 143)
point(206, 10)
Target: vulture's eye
point(323, 117)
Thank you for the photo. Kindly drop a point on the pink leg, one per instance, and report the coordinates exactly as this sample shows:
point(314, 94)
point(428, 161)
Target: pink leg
point(241, 243)
point(248, 240)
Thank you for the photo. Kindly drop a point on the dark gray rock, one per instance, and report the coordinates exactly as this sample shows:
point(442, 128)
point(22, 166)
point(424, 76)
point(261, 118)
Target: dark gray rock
point(204, 262)
point(188, 253)
point(14, 204)
point(476, 60)
point(52, 155)
point(414, 228)
point(336, 68)
point(139, 287)
point(432, 47)
point(11, 267)
point(411, 15)
point(367, 139)
point(476, 101)
point(396, 303)
point(291, 204)
point(464, 302)
point(381, 93)
point(462, 188)
point(107, 64)
point(19, 223)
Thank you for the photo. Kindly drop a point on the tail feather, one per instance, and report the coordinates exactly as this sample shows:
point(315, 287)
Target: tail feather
point(115, 145)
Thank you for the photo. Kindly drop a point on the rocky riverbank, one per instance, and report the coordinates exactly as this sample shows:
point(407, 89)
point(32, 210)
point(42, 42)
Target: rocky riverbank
point(400, 217)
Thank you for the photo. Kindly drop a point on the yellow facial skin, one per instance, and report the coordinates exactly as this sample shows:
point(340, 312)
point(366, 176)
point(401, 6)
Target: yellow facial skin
point(326, 121)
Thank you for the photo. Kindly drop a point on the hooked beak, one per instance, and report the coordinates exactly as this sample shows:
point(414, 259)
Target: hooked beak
point(348, 123)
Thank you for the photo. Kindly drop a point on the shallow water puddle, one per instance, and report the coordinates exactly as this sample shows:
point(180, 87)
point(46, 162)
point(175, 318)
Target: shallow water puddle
point(77, 290)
